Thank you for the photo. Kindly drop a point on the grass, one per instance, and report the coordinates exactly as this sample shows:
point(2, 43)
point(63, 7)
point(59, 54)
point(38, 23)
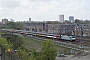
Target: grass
point(30, 43)
point(63, 50)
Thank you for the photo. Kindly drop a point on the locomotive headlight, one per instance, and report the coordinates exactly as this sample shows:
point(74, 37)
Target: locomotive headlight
point(70, 36)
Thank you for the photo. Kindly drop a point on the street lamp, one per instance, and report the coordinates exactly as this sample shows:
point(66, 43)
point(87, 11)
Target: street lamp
point(53, 32)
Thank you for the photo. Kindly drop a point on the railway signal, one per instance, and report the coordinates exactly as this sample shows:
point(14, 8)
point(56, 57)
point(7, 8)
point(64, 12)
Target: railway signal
point(9, 50)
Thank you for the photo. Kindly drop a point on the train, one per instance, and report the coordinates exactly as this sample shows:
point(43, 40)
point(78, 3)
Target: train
point(55, 36)
point(46, 35)
point(66, 37)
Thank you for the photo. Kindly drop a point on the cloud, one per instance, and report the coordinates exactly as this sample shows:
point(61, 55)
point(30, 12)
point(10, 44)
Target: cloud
point(43, 9)
point(40, 0)
point(9, 3)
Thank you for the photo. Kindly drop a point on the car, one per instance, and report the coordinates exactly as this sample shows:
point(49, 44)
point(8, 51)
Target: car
point(61, 55)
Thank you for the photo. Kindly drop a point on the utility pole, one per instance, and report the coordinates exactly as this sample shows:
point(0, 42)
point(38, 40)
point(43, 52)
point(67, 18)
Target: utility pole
point(35, 32)
point(81, 37)
point(53, 32)
point(1, 31)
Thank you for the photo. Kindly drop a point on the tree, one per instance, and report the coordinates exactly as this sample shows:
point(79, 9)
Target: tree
point(33, 54)
point(15, 40)
point(86, 22)
point(48, 50)
point(20, 26)
point(23, 54)
point(77, 21)
point(8, 39)
point(15, 25)
point(11, 25)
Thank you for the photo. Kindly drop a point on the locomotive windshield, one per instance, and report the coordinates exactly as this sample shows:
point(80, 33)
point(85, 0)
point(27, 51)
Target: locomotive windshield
point(73, 36)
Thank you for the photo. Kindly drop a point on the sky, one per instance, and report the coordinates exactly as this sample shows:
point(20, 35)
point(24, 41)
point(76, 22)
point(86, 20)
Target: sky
point(44, 10)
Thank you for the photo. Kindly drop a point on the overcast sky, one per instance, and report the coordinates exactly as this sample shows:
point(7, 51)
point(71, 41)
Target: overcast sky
point(43, 10)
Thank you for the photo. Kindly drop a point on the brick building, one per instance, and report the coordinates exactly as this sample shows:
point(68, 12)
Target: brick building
point(67, 29)
point(59, 28)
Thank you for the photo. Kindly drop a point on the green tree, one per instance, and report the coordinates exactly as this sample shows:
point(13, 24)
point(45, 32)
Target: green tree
point(23, 54)
point(48, 50)
point(11, 25)
point(15, 25)
point(86, 22)
point(33, 54)
point(8, 39)
point(20, 26)
point(17, 42)
point(77, 21)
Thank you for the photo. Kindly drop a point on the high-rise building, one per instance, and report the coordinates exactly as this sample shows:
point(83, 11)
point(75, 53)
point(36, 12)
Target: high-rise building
point(71, 18)
point(61, 18)
point(4, 21)
point(29, 19)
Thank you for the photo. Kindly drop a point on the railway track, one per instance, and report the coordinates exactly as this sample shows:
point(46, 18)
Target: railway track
point(85, 42)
